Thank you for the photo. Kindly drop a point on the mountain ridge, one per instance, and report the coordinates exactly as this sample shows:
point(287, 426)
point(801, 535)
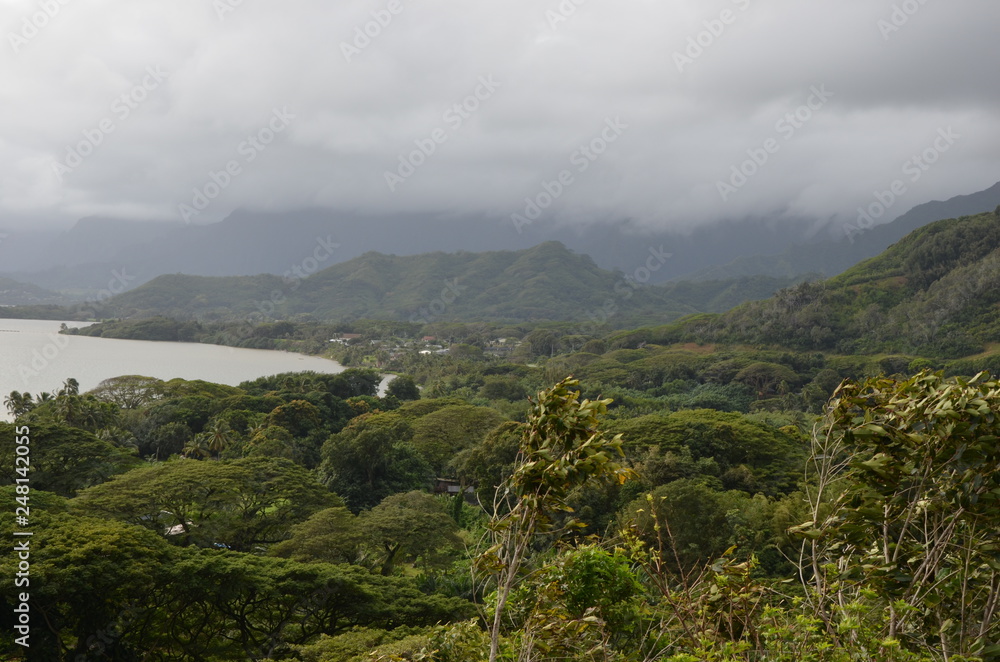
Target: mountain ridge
point(546, 282)
point(935, 292)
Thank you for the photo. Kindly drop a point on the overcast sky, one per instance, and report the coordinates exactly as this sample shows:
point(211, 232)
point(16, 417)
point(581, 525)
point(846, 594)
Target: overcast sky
point(201, 78)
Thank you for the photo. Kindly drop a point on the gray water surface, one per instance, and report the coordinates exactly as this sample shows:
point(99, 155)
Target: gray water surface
point(35, 358)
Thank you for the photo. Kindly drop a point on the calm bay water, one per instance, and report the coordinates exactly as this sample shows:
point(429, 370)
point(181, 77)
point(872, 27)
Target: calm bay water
point(35, 358)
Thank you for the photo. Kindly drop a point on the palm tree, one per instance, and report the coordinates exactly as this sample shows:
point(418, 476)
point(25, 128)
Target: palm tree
point(19, 404)
point(93, 413)
point(68, 406)
point(70, 387)
point(219, 436)
point(118, 437)
point(197, 446)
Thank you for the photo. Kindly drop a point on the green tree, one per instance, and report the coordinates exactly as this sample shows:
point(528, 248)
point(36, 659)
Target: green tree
point(64, 459)
point(166, 440)
point(766, 379)
point(404, 388)
point(372, 458)
point(441, 434)
point(19, 404)
point(298, 417)
point(581, 606)
point(906, 505)
point(228, 606)
point(503, 388)
point(409, 526)
point(83, 411)
point(690, 523)
point(241, 503)
point(70, 387)
point(197, 447)
point(332, 535)
point(129, 391)
point(562, 448)
point(275, 441)
point(364, 645)
point(219, 436)
point(490, 463)
point(729, 440)
point(88, 577)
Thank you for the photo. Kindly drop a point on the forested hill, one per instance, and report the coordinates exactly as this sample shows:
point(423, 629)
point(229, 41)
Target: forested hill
point(547, 282)
point(936, 292)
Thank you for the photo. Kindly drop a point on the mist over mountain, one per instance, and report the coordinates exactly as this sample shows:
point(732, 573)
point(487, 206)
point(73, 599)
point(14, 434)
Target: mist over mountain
point(89, 254)
point(851, 243)
point(99, 257)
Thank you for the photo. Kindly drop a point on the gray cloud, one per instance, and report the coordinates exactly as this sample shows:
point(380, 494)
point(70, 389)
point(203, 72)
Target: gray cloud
point(559, 81)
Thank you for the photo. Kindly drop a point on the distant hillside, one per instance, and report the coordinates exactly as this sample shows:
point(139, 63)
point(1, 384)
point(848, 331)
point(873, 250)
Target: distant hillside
point(935, 292)
point(718, 296)
point(80, 261)
point(852, 245)
point(13, 293)
point(547, 282)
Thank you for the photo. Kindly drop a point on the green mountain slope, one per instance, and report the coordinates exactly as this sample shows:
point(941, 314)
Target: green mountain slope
point(935, 292)
point(547, 282)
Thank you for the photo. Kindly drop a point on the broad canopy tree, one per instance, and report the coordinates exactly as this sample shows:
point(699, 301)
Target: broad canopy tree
point(240, 503)
point(64, 459)
point(104, 589)
point(372, 458)
point(413, 525)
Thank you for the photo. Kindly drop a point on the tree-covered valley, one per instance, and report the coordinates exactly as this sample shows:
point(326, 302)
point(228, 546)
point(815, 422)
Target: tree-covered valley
point(811, 476)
